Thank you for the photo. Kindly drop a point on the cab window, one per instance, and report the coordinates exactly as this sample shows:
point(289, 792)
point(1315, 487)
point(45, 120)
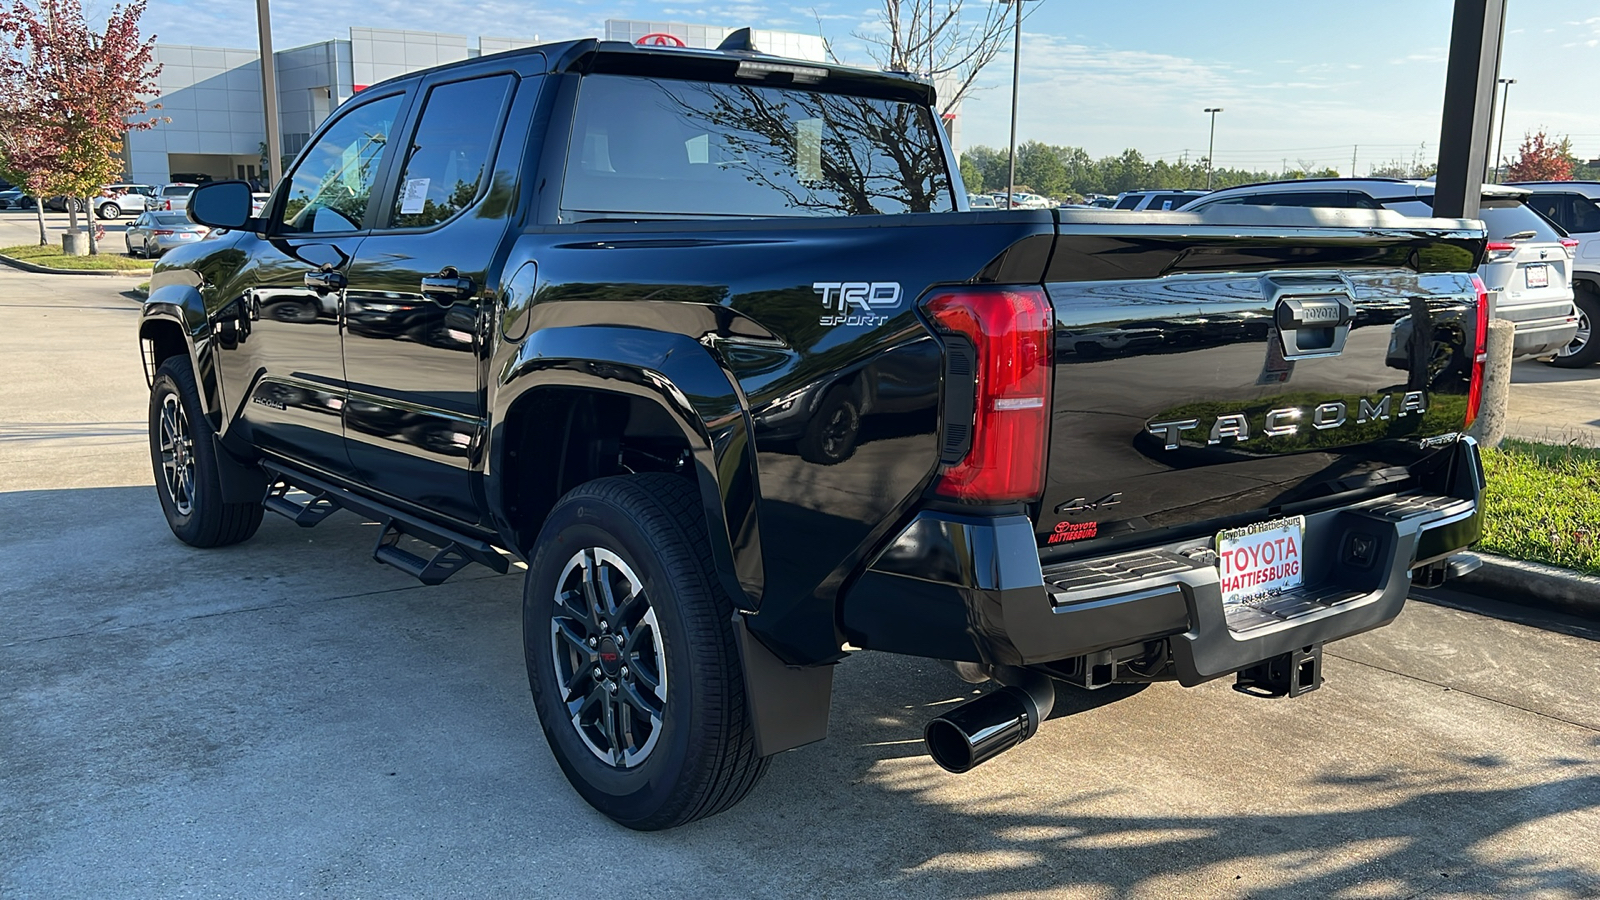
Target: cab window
point(450, 151)
point(665, 147)
point(332, 182)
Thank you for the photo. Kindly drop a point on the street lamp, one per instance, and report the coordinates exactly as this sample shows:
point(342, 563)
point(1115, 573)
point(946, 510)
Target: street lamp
point(1016, 79)
point(1499, 145)
point(269, 94)
point(1211, 150)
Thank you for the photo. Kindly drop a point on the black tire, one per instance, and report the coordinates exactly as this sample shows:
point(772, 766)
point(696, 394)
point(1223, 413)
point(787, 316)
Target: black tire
point(1585, 348)
point(697, 757)
point(188, 479)
point(830, 436)
point(108, 211)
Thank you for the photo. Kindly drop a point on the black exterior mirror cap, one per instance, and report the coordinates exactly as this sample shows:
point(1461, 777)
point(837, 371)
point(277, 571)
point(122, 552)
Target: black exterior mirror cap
point(221, 204)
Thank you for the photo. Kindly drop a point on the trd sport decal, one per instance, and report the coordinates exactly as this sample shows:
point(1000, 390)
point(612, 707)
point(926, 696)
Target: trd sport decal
point(857, 302)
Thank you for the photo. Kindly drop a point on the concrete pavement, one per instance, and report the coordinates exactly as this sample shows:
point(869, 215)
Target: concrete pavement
point(287, 717)
point(1555, 406)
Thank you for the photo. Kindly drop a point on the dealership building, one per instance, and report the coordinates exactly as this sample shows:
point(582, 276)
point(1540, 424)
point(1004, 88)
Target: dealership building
point(214, 126)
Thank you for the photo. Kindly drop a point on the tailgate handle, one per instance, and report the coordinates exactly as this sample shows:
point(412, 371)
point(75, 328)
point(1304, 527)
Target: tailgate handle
point(1314, 326)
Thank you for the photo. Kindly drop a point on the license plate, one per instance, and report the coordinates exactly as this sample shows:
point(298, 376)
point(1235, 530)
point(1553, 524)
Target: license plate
point(1260, 560)
point(1538, 276)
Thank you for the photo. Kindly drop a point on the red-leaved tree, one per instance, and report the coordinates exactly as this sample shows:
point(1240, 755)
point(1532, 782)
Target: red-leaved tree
point(1541, 159)
point(68, 94)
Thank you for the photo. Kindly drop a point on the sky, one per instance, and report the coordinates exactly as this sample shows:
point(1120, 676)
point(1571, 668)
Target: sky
point(1300, 82)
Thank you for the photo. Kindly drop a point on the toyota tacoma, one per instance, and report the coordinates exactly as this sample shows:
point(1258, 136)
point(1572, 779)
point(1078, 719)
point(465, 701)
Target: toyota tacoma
point(709, 340)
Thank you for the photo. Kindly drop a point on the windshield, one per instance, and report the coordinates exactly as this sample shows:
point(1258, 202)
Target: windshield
point(657, 146)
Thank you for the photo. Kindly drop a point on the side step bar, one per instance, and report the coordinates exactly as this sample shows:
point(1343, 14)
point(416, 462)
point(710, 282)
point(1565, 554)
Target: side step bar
point(454, 550)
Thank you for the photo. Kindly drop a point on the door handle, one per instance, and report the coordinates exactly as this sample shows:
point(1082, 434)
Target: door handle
point(326, 280)
point(447, 287)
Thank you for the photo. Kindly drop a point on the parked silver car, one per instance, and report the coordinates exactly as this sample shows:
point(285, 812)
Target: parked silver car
point(173, 197)
point(154, 233)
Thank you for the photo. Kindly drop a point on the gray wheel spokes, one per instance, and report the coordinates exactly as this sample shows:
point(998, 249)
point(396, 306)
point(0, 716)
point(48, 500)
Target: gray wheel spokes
point(608, 657)
point(177, 454)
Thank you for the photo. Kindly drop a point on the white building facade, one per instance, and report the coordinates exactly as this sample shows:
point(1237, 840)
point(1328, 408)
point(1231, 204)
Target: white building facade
point(210, 97)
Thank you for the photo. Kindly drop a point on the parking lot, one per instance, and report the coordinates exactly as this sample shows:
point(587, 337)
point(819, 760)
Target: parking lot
point(287, 717)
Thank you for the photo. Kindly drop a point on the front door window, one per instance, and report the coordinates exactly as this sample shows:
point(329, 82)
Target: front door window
point(330, 188)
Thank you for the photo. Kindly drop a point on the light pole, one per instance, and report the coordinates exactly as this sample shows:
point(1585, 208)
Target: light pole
point(1500, 143)
point(1016, 79)
point(1211, 150)
point(269, 95)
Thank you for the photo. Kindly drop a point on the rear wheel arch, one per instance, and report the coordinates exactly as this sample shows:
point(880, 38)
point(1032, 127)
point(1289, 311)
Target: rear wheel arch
point(556, 437)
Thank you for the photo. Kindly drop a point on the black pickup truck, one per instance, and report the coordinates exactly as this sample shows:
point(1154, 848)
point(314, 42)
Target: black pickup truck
point(709, 340)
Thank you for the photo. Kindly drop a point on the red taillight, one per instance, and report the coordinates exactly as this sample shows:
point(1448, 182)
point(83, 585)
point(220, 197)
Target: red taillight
point(160, 231)
point(1480, 351)
point(1571, 246)
point(1500, 247)
point(1010, 330)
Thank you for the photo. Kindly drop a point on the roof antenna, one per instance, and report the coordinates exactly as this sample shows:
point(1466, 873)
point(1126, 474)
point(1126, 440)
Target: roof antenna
point(741, 39)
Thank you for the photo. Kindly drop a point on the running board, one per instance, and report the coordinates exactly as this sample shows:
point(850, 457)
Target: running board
point(454, 551)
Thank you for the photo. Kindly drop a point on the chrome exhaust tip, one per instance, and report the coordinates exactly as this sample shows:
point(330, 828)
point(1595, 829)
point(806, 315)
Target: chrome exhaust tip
point(979, 730)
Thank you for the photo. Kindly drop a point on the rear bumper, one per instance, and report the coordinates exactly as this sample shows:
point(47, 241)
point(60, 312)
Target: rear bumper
point(1544, 336)
point(972, 588)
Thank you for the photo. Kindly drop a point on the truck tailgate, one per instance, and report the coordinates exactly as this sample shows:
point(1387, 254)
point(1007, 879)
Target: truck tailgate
point(1208, 378)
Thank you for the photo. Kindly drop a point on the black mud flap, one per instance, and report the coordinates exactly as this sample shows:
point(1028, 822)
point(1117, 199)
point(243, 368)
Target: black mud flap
point(788, 704)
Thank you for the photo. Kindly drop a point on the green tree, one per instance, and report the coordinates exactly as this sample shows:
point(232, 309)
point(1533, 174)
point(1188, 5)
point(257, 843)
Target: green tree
point(1040, 168)
point(971, 173)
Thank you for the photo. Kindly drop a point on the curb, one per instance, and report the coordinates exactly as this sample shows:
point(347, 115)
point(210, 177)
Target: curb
point(1534, 584)
point(47, 270)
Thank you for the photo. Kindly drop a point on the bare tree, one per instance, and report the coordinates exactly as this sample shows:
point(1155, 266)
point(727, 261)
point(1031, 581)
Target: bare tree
point(944, 40)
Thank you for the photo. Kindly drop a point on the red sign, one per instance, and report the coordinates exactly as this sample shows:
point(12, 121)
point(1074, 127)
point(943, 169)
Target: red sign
point(660, 39)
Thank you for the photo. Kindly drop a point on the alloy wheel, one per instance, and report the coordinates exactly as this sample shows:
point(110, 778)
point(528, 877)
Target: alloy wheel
point(840, 431)
point(177, 455)
point(1581, 339)
point(609, 659)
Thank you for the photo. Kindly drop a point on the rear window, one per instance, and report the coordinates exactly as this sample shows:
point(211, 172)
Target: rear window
point(170, 219)
point(1502, 216)
point(178, 190)
point(690, 148)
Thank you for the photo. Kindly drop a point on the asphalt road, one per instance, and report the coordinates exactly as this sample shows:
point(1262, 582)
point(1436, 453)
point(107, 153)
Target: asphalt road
point(288, 718)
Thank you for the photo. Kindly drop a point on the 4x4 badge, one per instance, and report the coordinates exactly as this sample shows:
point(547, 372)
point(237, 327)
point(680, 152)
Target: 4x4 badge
point(1082, 504)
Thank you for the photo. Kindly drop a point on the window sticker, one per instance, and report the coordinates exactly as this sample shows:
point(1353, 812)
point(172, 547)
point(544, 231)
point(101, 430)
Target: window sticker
point(415, 196)
point(808, 149)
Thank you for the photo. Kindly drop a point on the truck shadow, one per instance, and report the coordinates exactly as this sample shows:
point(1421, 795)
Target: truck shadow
point(292, 694)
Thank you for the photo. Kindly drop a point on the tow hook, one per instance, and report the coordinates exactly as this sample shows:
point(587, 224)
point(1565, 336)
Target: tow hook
point(1285, 675)
point(979, 730)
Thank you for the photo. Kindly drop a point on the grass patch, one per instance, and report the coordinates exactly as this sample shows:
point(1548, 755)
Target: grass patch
point(52, 257)
point(1543, 504)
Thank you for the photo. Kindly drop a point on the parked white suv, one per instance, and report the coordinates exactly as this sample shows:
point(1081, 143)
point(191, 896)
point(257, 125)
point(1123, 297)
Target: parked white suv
point(1155, 201)
point(1527, 262)
point(118, 199)
point(1575, 206)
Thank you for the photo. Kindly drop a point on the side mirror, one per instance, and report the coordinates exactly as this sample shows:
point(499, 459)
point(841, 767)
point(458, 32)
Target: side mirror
point(221, 204)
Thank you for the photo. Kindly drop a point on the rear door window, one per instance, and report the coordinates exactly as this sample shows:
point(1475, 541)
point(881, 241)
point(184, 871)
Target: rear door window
point(662, 147)
point(1585, 215)
point(450, 151)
